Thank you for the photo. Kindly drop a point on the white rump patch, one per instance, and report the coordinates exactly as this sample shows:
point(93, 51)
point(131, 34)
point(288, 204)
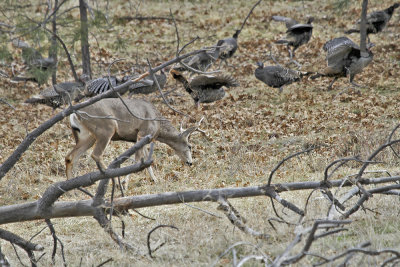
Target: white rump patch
point(73, 119)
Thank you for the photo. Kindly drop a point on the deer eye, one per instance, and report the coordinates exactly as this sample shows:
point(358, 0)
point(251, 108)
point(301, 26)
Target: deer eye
point(190, 147)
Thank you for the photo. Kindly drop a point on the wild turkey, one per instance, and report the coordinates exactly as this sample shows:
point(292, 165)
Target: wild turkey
point(297, 34)
point(143, 87)
point(58, 95)
point(376, 21)
point(277, 76)
point(62, 93)
point(33, 57)
point(228, 47)
point(201, 61)
point(100, 85)
point(205, 88)
point(344, 58)
point(34, 61)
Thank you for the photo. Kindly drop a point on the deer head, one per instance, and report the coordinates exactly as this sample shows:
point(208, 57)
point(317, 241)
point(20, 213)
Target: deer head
point(179, 140)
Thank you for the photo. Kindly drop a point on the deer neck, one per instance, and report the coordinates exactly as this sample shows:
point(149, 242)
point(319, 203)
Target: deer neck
point(168, 134)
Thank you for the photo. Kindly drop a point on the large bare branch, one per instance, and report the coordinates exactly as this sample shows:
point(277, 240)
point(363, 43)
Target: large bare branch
point(28, 211)
point(19, 241)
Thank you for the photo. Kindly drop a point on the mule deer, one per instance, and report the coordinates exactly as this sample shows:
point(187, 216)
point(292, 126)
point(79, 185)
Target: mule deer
point(109, 119)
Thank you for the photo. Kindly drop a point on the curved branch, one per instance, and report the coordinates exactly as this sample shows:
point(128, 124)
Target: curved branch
point(248, 15)
point(286, 159)
point(71, 64)
point(149, 234)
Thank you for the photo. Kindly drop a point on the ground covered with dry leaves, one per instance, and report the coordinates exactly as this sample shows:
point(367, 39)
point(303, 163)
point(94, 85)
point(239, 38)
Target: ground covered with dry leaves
point(251, 130)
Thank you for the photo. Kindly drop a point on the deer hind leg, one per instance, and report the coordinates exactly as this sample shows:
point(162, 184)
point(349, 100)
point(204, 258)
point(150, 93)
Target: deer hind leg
point(97, 154)
point(84, 141)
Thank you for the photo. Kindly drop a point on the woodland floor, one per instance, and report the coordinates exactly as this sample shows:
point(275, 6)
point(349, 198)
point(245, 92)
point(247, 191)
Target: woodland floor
point(251, 130)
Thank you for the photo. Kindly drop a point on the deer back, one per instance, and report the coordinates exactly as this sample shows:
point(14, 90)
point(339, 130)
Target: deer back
point(111, 117)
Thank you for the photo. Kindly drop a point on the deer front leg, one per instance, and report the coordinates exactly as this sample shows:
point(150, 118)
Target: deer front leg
point(143, 153)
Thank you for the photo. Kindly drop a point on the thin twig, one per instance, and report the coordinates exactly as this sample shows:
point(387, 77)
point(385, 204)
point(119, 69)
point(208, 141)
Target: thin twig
point(248, 15)
point(232, 247)
point(2, 100)
point(237, 220)
point(149, 234)
point(161, 93)
point(144, 216)
point(202, 210)
point(178, 51)
point(286, 159)
point(123, 101)
point(105, 262)
point(55, 240)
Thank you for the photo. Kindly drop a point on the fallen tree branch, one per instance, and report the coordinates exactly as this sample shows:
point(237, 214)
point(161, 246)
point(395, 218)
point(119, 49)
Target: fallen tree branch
point(241, 243)
point(6, 102)
point(364, 197)
point(284, 160)
point(19, 241)
point(100, 216)
point(105, 262)
point(248, 15)
point(28, 211)
point(271, 193)
point(27, 246)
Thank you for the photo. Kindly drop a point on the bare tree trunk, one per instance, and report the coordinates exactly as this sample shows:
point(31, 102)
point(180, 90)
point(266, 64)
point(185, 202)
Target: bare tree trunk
point(363, 27)
point(85, 39)
point(53, 49)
